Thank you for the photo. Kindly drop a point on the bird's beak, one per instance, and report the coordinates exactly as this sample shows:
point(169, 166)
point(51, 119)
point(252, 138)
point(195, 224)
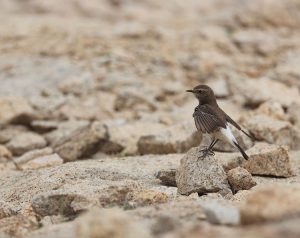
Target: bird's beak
point(190, 90)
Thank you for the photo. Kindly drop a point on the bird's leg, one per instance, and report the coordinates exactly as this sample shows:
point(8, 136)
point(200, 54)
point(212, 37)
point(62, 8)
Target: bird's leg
point(212, 145)
point(208, 150)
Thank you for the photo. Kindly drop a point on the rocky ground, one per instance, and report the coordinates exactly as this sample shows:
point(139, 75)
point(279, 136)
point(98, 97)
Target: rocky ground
point(97, 137)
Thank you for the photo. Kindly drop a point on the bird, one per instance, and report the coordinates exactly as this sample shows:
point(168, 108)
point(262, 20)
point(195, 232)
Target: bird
point(211, 119)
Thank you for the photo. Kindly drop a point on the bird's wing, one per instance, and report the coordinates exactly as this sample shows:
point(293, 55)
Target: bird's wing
point(207, 120)
point(232, 122)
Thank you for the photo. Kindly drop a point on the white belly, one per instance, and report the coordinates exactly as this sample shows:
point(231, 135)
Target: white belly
point(224, 135)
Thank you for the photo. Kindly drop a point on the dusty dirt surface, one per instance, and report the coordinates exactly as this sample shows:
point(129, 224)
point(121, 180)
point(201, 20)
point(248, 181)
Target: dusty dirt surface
point(95, 123)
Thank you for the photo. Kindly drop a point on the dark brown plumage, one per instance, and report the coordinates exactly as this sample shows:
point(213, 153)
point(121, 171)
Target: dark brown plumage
point(207, 119)
point(210, 118)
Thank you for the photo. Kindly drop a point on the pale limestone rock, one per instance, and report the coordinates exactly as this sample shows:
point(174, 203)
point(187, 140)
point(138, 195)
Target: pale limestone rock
point(125, 136)
point(10, 132)
point(146, 197)
point(26, 141)
point(174, 139)
point(5, 154)
point(272, 109)
point(256, 93)
point(268, 203)
point(83, 143)
point(218, 213)
point(264, 159)
point(15, 109)
point(31, 155)
point(65, 130)
point(240, 179)
point(109, 223)
point(268, 129)
point(43, 161)
point(200, 174)
point(88, 107)
point(267, 159)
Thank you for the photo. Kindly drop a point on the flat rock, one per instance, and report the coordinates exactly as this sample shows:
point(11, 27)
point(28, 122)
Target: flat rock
point(43, 161)
point(26, 141)
point(8, 133)
point(74, 187)
point(83, 143)
point(71, 199)
point(218, 213)
point(200, 174)
point(47, 73)
point(31, 155)
point(264, 159)
point(265, 203)
point(43, 126)
point(273, 131)
point(65, 130)
point(240, 179)
point(268, 160)
point(125, 136)
point(175, 139)
point(16, 110)
point(272, 109)
point(48, 104)
point(87, 107)
point(256, 93)
point(144, 167)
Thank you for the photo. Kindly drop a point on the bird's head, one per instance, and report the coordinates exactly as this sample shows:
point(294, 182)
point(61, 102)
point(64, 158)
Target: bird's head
point(203, 93)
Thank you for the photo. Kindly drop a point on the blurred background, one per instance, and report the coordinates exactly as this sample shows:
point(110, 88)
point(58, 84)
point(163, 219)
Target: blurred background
point(104, 79)
point(115, 59)
point(123, 61)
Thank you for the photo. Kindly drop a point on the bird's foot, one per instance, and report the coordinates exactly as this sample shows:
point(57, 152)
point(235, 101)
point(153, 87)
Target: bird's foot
point(206, 152)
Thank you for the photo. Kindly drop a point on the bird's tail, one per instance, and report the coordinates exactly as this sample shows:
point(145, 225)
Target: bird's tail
point(246, 157)
point(247, 134)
